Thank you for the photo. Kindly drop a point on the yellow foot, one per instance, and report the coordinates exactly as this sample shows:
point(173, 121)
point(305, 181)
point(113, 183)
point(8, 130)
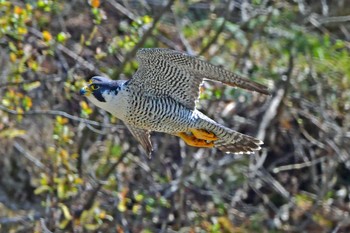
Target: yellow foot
point(193, 141)
point(203, 134)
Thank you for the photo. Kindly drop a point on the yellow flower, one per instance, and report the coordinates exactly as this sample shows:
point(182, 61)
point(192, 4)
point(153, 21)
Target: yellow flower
point(13, 57)
point(22, 30)
point(47, 36)
point(95, 3)
point(18, 10)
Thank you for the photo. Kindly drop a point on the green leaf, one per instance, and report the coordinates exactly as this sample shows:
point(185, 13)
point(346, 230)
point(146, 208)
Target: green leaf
point(12, 133)
point(42, 189)
point(61, 37)
point(31, 86)
point(65, 211)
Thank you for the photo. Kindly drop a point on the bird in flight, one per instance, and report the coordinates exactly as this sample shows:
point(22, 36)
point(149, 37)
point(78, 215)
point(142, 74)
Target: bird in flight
point(161, 96)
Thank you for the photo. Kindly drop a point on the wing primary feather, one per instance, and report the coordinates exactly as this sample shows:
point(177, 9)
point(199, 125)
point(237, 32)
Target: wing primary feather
point(143, 137)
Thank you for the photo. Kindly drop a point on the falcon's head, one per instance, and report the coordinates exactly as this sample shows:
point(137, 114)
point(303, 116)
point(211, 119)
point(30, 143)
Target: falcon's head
point(101, 90)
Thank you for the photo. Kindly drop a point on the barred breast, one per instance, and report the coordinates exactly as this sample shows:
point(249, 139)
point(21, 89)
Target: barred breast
point(162, 114)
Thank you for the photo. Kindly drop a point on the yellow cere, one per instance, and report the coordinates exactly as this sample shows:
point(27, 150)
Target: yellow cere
point(87, 90)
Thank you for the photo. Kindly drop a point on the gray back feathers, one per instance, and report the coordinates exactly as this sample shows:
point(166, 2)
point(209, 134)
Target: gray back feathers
point(165, 72)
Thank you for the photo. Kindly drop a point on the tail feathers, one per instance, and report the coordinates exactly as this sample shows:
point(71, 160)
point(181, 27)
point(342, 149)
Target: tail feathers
point(235, 142)
point(231, 141)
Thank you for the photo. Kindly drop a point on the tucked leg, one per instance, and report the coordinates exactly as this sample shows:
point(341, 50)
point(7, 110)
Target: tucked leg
point(194, 141)
point(203, 134)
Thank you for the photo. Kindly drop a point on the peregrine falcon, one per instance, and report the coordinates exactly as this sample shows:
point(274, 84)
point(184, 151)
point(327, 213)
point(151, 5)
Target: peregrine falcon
point(162, 96)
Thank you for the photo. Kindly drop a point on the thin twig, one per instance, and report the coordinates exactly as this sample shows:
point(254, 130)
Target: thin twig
point(220, 29)
point(298, 166)
point(319, 20)
point(89, 66)
point(59, 113)
point(143, 39)
point(44, 227)
point(41, 80)
point(122, 9)
point(181, 36)
point(276, 104)
point(20, 219)
point(30, 157)
point(251, 38)
point(93, 195)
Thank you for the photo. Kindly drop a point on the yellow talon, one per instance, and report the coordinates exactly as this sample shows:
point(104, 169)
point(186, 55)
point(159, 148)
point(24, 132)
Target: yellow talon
point(203, 134)
point(194, 141)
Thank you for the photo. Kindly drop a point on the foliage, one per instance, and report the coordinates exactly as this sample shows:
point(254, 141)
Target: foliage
point(78, 169)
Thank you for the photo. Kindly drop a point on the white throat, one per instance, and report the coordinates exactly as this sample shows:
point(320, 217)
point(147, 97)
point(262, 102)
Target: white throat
point(115, 104)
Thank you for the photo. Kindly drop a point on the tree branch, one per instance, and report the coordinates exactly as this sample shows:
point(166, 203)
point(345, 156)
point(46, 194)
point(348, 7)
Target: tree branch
point(143, 39)
point(220, 29)
point(93, 195)
point(59, 113)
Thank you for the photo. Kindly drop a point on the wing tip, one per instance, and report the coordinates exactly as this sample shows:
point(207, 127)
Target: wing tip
point(265, 91)
point(149, 152)
point(250, 85)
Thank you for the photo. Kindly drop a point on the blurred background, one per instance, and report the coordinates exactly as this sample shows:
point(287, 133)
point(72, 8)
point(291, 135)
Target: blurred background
point(67, 166)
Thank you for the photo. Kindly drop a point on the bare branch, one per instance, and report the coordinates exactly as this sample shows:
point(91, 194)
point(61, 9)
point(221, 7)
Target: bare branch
point(251, 38)
point(276, 103)
point(44, 227)
point(143, 39)
point(59, 113)
point(18, 219)
point(319, 20)
point(220, 29)
point(298, 166)
point(90, 201)
point(89, 66)
point(41, 80)
point(122, 9)
point(30, 157)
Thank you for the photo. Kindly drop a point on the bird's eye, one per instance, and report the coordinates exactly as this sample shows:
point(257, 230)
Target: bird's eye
point(94, 87)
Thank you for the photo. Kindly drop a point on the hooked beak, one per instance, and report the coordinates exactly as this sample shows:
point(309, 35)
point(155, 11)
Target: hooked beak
point(85, 91)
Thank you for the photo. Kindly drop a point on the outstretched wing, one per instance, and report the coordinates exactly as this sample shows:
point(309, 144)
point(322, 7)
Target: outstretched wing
point(165, 72)
point(159, 74)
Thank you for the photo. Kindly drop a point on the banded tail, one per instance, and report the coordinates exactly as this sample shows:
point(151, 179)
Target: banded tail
point(230, 141)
